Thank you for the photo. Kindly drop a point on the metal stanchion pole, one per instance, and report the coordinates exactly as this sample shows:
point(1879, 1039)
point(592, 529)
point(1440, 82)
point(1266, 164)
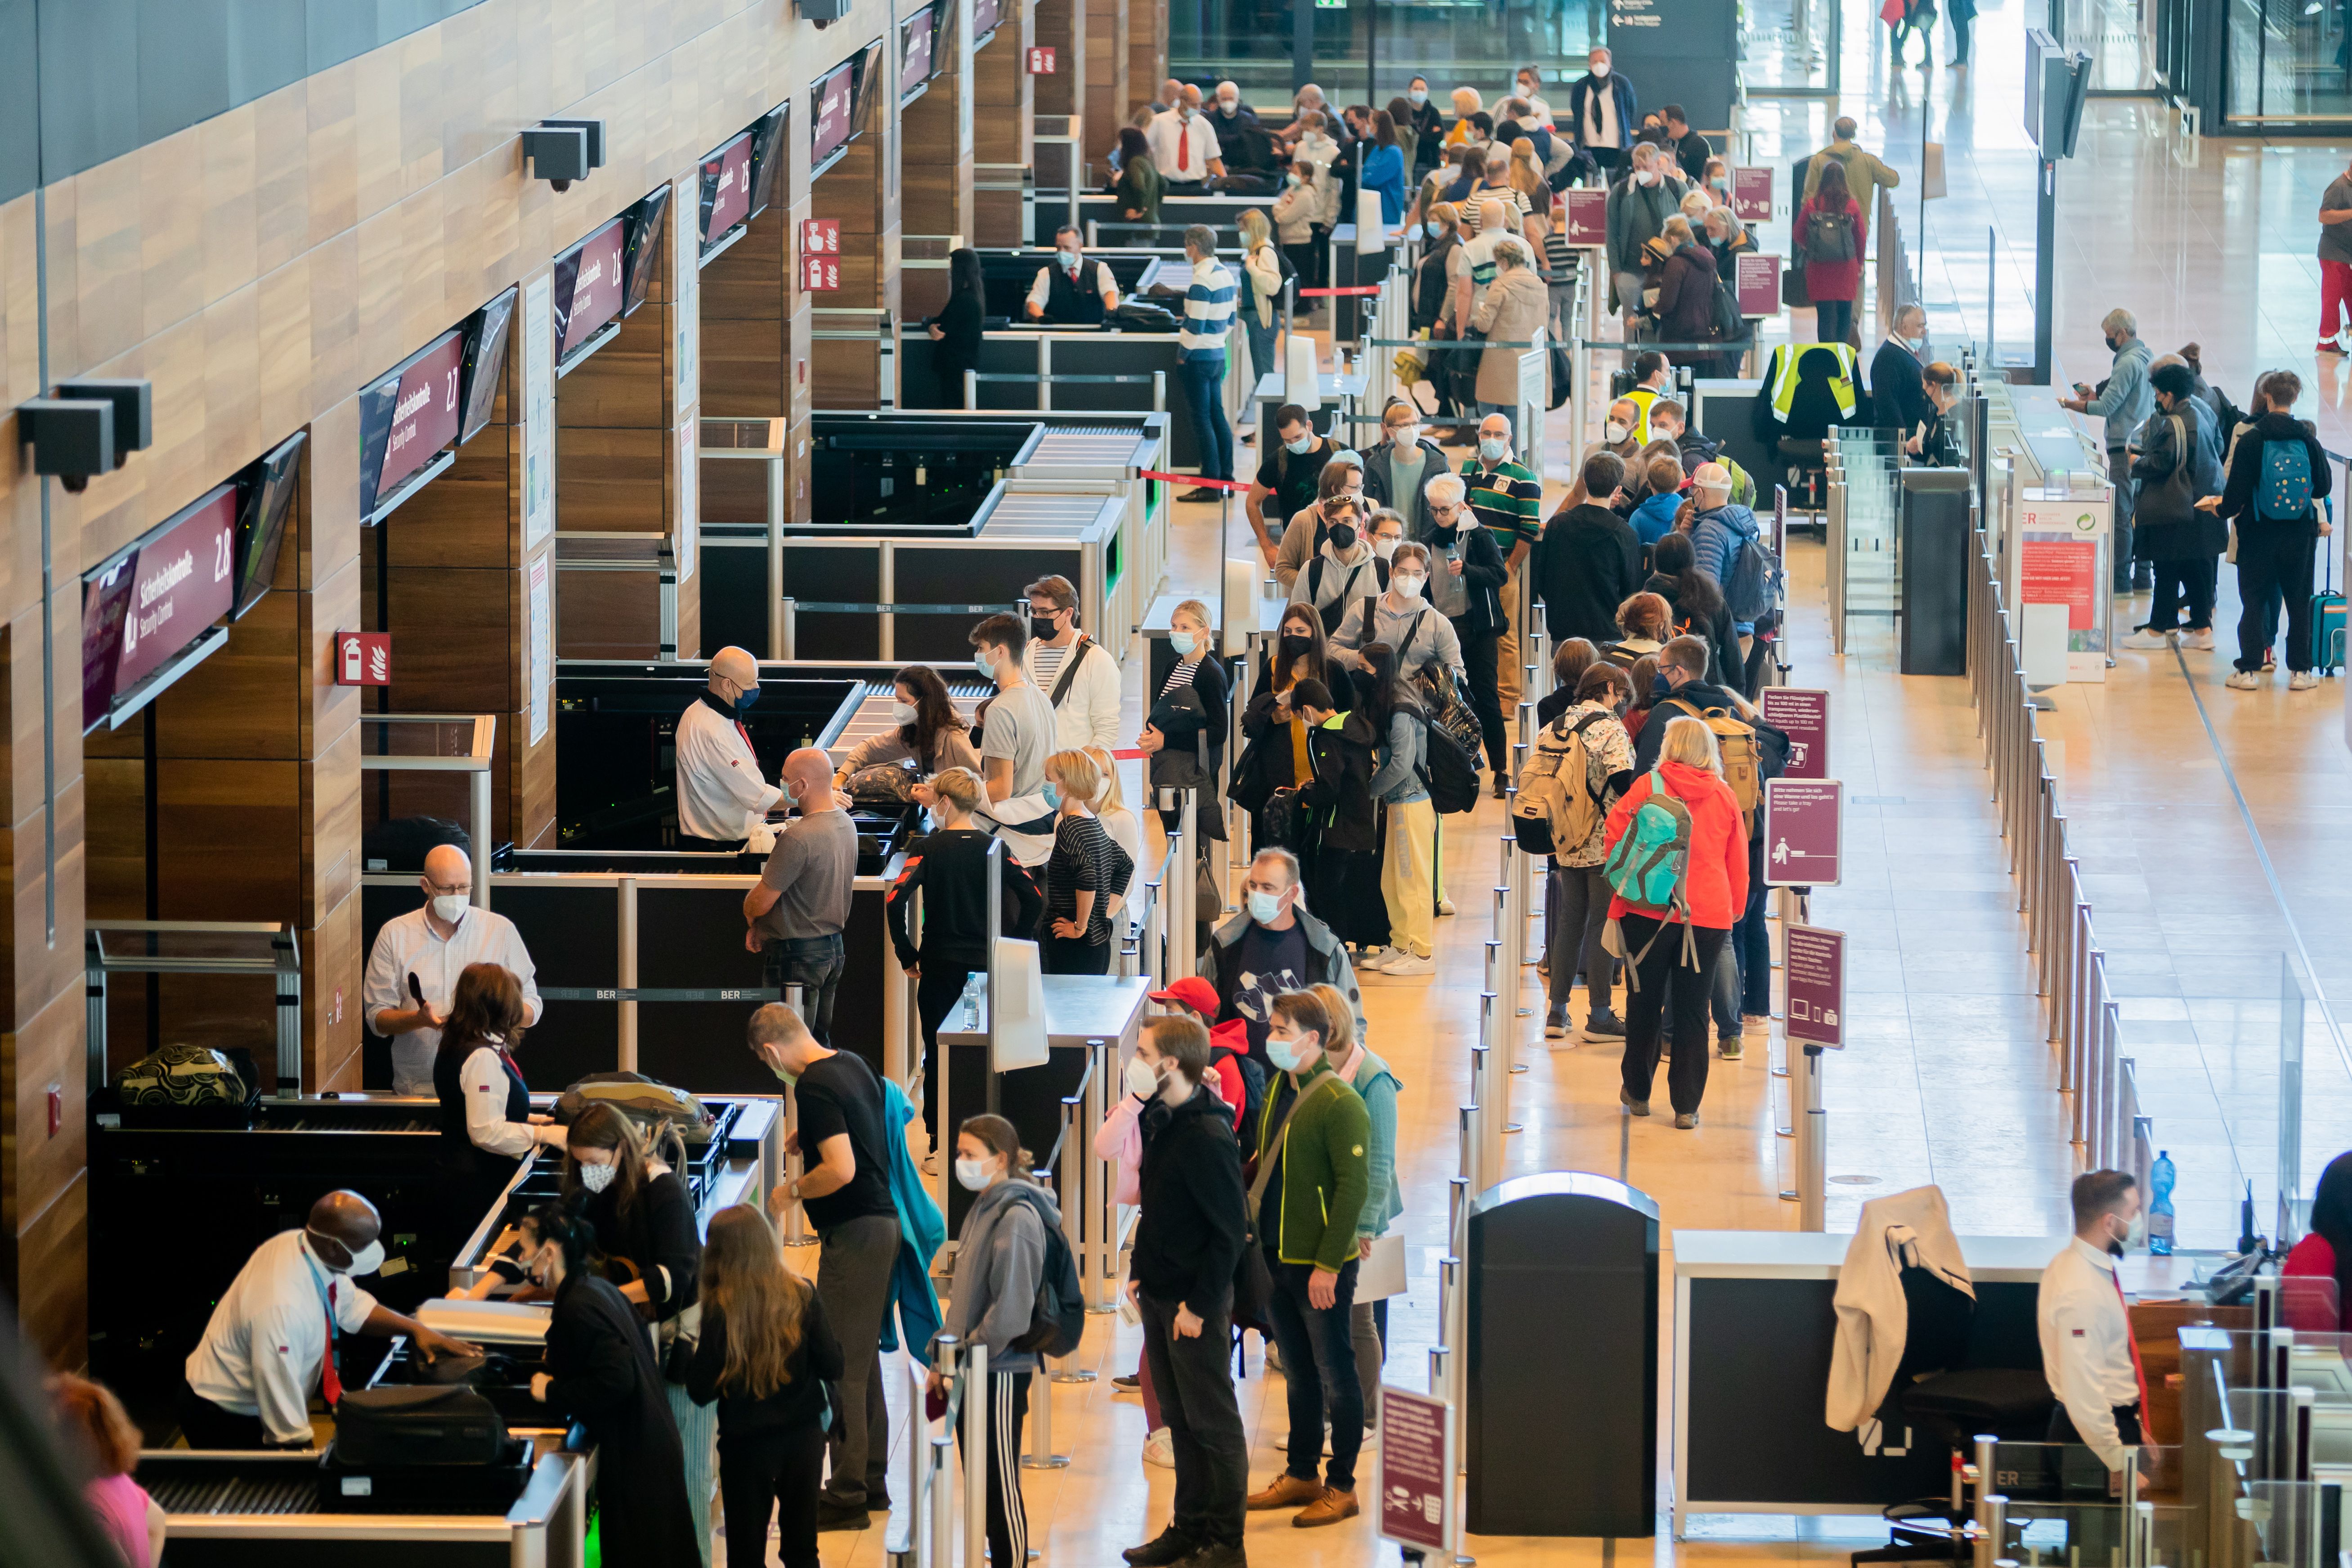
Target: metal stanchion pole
point(1100, 1261)
point(946, 1518)
point(796, 1231)
point(914, 1480)
point(1812, 1134)
point(1041, 1455)
point(977, 1391)
point(1188, 884)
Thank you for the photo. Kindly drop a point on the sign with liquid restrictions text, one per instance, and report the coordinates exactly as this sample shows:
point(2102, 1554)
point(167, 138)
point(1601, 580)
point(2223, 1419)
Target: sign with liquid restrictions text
point(1803, 829)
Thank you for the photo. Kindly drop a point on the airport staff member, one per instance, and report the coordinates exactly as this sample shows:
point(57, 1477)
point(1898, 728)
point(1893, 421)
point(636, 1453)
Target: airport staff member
point(2087, 1353)
point(798, 907)
point(1065, 293)
point(721, 793)
point(247, 1384)
point(423, 953)
point(1184, 146)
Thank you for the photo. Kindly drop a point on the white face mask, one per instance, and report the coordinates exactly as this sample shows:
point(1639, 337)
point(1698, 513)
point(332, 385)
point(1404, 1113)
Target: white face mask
point(902, 712)
point(596, 1178)
point(971, 1175)
point(1384, 547)
point(1645, 176)
point(452, 907)
point(1493, 450)
point(1613, 432)
point(1418, 96)
point(1601, 70)
point(1142, 1078)
point(365, 1260)
point(1228, 105)
point(1407, 584)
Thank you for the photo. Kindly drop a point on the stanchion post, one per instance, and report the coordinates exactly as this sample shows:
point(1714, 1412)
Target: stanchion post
point(1041, 1455)
point(946, 1518)
point(976, 1394)
point(908, 1550)
point(1813, 1147)
point(627, 923)
point(1100, 1262)
point(796, 1232)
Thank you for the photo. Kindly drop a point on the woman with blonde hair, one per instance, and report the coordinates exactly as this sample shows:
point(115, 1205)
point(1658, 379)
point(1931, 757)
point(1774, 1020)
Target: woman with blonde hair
point(1675, 944)
point(949, 865)
point(1466, 102)
point(1117, 821)
point(765, 1355)
point(1086, 876)
point(1527, 183)
point(1261, 279)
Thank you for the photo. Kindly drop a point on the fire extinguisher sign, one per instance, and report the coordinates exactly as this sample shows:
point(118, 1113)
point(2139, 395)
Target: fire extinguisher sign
point(362, 659)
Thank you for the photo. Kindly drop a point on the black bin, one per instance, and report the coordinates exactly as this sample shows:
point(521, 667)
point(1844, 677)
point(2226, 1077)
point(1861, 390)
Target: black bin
point(1562, 1425)
point(1933, 541)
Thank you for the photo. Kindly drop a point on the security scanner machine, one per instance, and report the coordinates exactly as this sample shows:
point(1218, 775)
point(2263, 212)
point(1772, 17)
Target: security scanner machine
point(872, 575)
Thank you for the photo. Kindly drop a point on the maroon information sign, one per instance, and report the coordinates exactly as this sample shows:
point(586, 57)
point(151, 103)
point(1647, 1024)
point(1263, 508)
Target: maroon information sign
point(1804, 714)
point(829, 128)
point(1416, 1490)
point(915, 43)
point(423, 411)
point(726, 187)
point(184, 581)
point(1802, 831)
point(1751, 193)
point(1815, 970)
point(1756, 283)
point(589, 286)
point(1588, 215)
point(985, 16)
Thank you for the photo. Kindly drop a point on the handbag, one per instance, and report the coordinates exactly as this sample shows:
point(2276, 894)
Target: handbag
point(1793, 292)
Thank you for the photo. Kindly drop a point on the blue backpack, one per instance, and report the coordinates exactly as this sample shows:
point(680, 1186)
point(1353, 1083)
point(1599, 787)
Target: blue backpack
point(2284, 492)
point(1650, 869)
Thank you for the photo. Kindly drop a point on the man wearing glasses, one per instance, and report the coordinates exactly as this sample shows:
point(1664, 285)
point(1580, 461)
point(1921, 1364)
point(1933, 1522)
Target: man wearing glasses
point(414, 969)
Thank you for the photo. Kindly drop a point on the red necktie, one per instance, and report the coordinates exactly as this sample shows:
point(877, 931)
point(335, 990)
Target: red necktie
point(2139, 1373)
point(332, 1386)
point(745, 733)
point(1183, 147)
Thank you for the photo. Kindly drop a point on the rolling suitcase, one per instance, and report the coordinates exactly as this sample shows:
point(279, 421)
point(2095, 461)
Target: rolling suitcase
point(2328, 611)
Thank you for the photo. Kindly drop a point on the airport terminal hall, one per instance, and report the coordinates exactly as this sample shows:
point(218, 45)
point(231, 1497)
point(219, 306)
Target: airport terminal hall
point(1326, 783)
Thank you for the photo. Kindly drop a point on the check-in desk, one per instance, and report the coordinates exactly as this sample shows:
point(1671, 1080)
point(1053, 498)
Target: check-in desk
point(1100, 221)
point(1052, 364)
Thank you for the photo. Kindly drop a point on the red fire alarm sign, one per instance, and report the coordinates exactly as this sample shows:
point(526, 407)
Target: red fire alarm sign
point(1041, 61)
point(362, 659)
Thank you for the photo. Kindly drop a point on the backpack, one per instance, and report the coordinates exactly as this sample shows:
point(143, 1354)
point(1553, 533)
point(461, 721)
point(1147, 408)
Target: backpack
point(1743, 756)
point(1752, 585)
point(1555, 809)
point(1059, 1317)
point(1448, 773)
point(1649, 867)
point(2284, 492)
point(1730, 326)
point(1336, 612)
point(1253, 1083)
point(1829, 236)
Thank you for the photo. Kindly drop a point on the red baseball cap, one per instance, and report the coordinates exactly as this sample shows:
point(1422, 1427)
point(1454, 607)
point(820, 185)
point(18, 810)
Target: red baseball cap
point(1194, 993)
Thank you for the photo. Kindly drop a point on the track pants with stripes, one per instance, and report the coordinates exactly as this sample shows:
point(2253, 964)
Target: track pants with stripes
point(1008, 1521)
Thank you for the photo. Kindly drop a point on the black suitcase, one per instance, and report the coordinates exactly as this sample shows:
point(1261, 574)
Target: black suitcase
point(416, 1424)
point(491, 1488)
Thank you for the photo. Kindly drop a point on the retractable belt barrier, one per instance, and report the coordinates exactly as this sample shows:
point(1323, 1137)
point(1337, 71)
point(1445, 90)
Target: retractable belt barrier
point(1324, 293)
point(1191, 480)
point(847, 607)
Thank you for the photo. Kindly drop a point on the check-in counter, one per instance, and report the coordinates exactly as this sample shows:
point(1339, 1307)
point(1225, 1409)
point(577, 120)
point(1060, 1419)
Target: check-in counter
point(1100, 219)
point(1052, 364)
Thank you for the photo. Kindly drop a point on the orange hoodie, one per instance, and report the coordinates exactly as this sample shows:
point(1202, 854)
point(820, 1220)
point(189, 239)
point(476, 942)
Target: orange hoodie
point(1717, 880)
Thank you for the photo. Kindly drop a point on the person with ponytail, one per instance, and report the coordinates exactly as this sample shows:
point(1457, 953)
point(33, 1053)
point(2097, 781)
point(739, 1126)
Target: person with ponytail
point(766, 1352)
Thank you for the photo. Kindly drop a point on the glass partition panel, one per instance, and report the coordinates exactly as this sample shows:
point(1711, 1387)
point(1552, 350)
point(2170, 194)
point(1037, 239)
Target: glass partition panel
point(2289, 59)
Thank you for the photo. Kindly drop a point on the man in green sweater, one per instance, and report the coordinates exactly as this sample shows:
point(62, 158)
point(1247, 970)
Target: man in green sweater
point(1314, 1176)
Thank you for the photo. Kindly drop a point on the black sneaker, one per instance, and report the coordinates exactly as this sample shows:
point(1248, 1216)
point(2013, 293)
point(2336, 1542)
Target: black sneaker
point(832, 1515)
point(1217, 1557)
point(1600, 1024)
point(1202, 493)
point(1128, 1383)
point(1171, 1545)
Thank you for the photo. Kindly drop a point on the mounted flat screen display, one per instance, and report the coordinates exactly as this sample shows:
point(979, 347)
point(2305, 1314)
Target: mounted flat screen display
point(486, 336)
point(262, 520)
point(868, 82)
point(589, 284)
point(768, 156)
point(916, 44)
point(835, 93)
point(726, 189)
point(642, 258)
point(155, 598)
point(407, 417)
point(985, 16)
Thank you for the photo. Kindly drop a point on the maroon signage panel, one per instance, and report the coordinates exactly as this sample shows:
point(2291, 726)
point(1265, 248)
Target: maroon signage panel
point(1041, 61)
point(985, 16)
point(727, 187)
point(1815, 967)
point(423, 411)
point(1414, 1484)
point(1756, 283)
point(916, 38)
point(598, 284)
point(1802, 831)
point(829, 130)
point(1751, 193)
point(184, 580)
point(363, 659)
point(1804, 714)
point(1588, 215)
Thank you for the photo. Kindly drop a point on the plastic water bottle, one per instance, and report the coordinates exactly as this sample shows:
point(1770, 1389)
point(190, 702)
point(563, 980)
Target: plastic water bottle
point(2160, 1177)
point(972, 984)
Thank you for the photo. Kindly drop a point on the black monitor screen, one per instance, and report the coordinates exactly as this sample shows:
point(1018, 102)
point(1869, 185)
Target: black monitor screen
point(643, 259)
point(768, 156)
point(261, 521)
point(486, 361)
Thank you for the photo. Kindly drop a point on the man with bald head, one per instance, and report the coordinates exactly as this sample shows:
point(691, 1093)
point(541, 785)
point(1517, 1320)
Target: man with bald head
point(799, 906)
point(721, 793)
point(412, 971)
point(272, 1338)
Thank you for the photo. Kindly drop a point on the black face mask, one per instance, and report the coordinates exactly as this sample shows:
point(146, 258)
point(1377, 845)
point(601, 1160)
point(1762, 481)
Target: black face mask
point(2113, 344)
point(1343, 537)
point(1661, 687)
point(1293, 647)
point(1042, 628)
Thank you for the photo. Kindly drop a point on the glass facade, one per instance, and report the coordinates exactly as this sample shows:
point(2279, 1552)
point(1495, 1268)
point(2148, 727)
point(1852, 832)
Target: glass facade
point(1368, 51)
point(2289, 61)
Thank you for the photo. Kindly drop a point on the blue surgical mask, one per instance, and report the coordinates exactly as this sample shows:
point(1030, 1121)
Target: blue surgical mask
point(1265, 907)
point(1492, 451)
point(982, 663)
point(1281, 1055)
point(1299, 448)
point(746, 701)
point(1183, 642)
point(1053, 795)
point(1068, 258)
point(1418, 96)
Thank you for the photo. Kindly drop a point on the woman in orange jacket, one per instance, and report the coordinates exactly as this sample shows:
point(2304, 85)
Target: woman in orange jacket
point(1716, 889)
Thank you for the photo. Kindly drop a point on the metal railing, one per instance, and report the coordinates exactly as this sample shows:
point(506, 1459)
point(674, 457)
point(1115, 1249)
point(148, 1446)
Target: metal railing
point(1046, 380)
point(925, 1535)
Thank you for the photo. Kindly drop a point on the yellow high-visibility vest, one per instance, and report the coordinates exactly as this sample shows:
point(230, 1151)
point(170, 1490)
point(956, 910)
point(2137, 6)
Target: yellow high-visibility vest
point(1784, 377)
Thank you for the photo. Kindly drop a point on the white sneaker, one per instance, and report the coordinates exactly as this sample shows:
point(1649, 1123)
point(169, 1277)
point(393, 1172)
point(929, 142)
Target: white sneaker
point(1446, 906)
point(2243, 680)
point(1409, 964)
point(2202, 640)
point(1160, 1449)
point(2302, 680)
point(1375, 957)
point(2150, 639)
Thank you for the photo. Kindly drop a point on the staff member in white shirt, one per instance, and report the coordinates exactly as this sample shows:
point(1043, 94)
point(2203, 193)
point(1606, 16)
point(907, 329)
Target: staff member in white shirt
point(1086, 707)
point(431, 946)
point(2087, 1353)
point(721, 793)
point(1063, 295)
point(1184, 146)
point(247, 1384)
point(487, 1122)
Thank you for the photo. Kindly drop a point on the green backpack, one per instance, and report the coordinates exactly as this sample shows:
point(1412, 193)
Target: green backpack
point(1650, 869)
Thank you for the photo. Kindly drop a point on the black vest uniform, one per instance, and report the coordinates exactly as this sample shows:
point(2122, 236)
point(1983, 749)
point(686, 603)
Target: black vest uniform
point(1071, 304)
point(475, 1175)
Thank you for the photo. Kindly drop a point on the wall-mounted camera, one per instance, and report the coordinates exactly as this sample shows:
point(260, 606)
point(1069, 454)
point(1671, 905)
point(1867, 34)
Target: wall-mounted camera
point(563, 151)
point(86, 428)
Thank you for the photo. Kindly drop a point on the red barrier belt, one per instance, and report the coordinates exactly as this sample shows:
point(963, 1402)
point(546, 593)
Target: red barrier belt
point(1192, 479)
point(1317, 293)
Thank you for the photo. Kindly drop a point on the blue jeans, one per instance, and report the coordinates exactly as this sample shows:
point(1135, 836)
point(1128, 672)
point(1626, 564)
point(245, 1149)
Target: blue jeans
point(814, 964)
point(1204, 381)
point(1261, 341)
point(1318, 1363)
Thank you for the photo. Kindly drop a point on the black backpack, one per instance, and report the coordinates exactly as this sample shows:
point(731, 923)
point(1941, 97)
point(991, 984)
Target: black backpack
point(1059, 1317)
point(1829, 236)
point(1730, 326)
point(1253, 1085)
point(1449, 773)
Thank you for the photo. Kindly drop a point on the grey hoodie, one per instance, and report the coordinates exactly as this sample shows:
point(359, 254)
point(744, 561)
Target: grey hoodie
point(999, 1259)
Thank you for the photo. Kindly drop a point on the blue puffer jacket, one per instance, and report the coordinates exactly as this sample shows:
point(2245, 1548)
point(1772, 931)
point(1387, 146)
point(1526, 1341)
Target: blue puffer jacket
point(1715, 538)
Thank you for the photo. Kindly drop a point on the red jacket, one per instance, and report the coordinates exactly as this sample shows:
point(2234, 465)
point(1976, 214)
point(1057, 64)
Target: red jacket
point(1833, 280)
point(2307, 1290)
point(1716, 878)
point(1233, 1035)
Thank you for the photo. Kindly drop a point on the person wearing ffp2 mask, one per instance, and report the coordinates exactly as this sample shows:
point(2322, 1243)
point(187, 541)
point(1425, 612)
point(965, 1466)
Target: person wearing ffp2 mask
point(413, 970)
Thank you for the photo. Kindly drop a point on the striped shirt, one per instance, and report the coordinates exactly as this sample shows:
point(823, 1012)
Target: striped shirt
point(1208, 312)
point(1509, 501)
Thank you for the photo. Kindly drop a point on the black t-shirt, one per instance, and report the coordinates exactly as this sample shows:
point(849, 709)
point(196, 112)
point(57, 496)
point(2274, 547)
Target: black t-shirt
point(838, 1095)
point(1293, 476)
point(1266, 964)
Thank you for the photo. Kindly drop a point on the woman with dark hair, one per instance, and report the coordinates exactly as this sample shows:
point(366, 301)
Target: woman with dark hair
point(1568, 663)
point(1408, 137)
point(1644, 679)
point(956, 329)
point(1138, 186)
point(765, 1355)
point(1400, 733)
point(927, 729)
point(487, 1122)
point(1382, 167)
point(1696, 606)
point(1274, 754)
point(1831, 280)
point(601, 1373)
point(2324, 1255)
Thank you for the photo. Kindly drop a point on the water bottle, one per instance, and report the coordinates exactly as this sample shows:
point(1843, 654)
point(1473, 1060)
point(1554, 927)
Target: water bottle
point(972, 984)
point(2160, 1177)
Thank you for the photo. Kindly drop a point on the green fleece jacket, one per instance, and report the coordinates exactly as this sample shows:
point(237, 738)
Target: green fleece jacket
point(1325, 1168)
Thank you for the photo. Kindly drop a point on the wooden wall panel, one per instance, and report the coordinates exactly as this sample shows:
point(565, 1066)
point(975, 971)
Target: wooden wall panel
point(1061, 25)
point(1002, 129)
point(1147, 52)
point(1107, 99)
